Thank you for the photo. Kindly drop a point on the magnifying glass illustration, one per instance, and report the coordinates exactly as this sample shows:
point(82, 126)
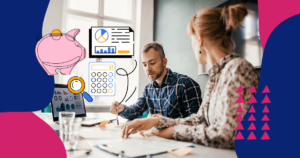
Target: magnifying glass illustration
point(76, 85)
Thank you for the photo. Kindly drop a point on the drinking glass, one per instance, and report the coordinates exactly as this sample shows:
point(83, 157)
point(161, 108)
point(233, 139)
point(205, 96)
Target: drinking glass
point(74, 137)
point(66, 120)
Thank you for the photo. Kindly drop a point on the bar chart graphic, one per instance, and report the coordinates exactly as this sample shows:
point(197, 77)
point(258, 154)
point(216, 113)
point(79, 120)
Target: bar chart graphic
point(105, 49)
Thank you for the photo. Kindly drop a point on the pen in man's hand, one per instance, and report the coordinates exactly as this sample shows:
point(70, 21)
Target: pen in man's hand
point(117, 114)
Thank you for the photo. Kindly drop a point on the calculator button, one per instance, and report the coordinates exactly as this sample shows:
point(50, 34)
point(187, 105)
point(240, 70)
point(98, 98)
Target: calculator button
point(110, 90)
point(93, 80)
point(104, 74)
point(93, 74)
point(93, 90)
point(99, 79)
point(104, 85)
point(104, 79)
point(93, 85)
point(110, 80)
point(110, 74)
point(104, 90)
point(98, 90)
point(110, 85)
point(99, 74)
point(98, 85)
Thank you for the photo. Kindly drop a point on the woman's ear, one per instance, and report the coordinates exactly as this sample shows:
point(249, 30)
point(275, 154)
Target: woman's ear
point(200, 39)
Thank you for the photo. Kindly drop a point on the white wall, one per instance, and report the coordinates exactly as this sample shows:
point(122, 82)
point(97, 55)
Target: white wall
point(144, 32)
point(53, 17)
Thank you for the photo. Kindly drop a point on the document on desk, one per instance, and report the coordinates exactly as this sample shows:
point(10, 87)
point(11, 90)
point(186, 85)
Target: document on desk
point(96, 132)
point(137, 146)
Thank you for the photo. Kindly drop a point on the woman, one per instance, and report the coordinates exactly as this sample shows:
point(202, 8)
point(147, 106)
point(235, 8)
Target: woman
point(214, 124)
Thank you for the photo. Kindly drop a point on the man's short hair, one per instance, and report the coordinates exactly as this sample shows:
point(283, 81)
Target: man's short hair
point(156, 46)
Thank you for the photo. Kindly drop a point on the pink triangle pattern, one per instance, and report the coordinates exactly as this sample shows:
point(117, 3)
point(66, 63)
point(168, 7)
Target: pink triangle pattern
point(252, 110)
point(266, 100)
point(251, 118)
point(265, 136)
point(266, 90)
point(265, 127)
point(252, 127)
point(240, 90)
point(266, 110)
point(240, 100)
point(252, 100)
point(239, 118)
point(239, 127)
point(239, 109)
point(251, 136)
point(252, 90)
point(265, 118)
point(239, 136)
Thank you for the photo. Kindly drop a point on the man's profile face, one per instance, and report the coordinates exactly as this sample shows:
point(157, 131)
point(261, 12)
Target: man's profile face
point(153, 64)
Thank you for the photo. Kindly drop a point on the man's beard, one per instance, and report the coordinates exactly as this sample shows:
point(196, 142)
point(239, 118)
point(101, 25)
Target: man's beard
point(159, 73)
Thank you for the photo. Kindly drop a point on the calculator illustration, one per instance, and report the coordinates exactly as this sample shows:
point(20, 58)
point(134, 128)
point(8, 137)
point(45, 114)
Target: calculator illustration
point(102, 79)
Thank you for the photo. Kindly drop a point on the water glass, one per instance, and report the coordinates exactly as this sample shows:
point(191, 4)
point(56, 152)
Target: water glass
point(66, 120)
point(74, 137)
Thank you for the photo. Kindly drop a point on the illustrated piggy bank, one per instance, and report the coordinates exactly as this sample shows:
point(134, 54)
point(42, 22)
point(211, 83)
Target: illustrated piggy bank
point(59, 51)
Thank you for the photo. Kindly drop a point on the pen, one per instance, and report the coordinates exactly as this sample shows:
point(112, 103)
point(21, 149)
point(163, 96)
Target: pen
point(117, 115)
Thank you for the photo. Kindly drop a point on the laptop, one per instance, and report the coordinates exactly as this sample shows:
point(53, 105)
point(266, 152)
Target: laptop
point(64, 100)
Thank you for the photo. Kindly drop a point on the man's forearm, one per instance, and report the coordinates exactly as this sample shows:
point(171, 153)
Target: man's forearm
point(129, 113)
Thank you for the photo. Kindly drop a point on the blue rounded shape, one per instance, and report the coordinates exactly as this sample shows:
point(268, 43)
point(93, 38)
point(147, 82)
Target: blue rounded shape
point(73, 106)
point(87, 97)
point(110, 85)
point(68, 107)
point(110, 74)
point(110, 80)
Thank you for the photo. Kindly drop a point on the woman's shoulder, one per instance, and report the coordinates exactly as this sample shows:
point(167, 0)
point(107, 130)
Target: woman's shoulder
point(238, 66)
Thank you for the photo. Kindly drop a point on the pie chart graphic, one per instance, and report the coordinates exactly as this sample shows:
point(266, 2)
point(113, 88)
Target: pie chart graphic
point(101, 35)
point(73, 106)
point(68, 107)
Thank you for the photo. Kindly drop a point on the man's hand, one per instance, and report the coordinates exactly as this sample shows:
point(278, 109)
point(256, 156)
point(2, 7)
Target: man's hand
point(115, 106)
point(139, 125)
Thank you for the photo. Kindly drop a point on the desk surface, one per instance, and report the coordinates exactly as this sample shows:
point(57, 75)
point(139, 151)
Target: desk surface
point(199, 151)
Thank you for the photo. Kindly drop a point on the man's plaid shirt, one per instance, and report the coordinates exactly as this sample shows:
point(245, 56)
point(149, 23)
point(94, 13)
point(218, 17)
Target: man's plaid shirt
point(178, 96)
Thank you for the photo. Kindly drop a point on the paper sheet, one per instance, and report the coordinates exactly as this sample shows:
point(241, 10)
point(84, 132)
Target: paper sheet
point(108, 132)
point(181, 151)
point(103, 123)
point(139, 146)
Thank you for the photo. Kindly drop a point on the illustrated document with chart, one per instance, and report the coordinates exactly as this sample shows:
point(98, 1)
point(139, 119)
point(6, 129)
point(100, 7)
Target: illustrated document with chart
point(111, 42)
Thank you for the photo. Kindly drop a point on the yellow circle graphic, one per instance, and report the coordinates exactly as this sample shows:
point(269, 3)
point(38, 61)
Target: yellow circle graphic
point(82, 85)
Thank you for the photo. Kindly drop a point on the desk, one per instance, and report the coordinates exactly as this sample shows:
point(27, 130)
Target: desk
point(199, 151)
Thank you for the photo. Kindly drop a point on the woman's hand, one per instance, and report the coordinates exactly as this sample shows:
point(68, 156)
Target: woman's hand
point(139, 124)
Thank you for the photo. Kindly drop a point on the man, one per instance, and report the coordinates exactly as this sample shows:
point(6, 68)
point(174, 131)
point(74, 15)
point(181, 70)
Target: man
point(169, 94)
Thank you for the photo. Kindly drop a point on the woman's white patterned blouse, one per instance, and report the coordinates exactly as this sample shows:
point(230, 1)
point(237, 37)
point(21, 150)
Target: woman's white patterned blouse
point(214, 124)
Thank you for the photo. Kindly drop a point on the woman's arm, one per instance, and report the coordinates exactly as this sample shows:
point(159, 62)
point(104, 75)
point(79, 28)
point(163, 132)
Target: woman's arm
point(221, 132)
point(193, 120)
